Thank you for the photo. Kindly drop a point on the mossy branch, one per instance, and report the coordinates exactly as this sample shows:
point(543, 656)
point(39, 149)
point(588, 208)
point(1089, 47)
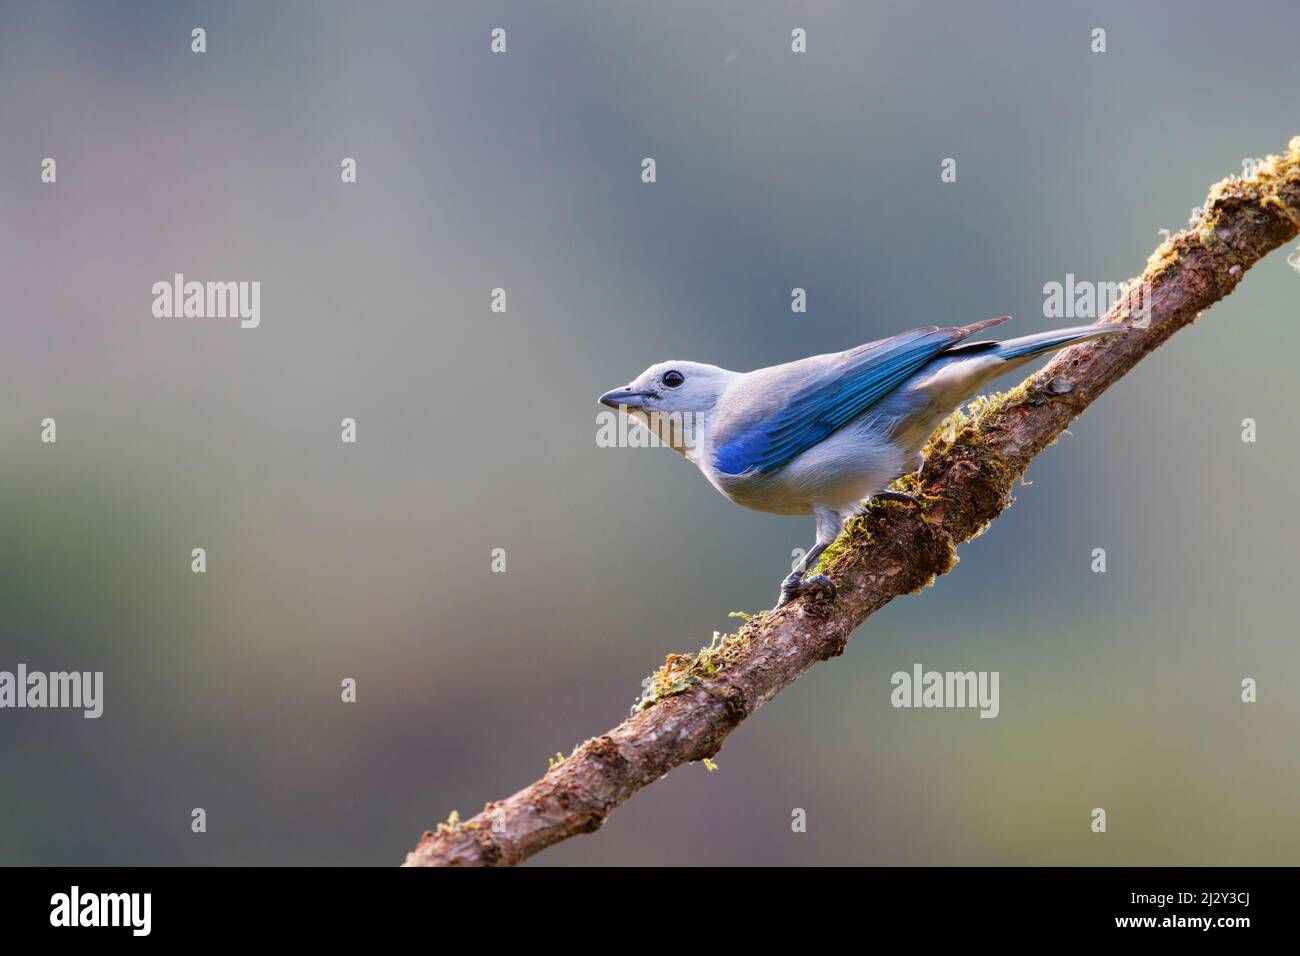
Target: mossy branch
point(692, 703)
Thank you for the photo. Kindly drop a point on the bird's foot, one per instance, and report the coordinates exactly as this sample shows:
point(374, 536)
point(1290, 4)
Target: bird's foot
point(819, 585)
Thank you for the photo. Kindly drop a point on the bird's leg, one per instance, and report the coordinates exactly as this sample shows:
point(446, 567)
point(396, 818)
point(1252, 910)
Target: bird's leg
point(902, 496)
point(794, 585)
point(829, 524)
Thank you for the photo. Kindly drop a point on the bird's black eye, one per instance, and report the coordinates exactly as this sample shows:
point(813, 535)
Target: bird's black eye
point(673, 378)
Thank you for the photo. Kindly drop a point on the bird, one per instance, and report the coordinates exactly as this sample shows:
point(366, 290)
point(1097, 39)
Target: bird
point(824, 435)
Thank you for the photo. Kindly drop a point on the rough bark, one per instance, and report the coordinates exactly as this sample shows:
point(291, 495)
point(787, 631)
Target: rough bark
point(970, 467)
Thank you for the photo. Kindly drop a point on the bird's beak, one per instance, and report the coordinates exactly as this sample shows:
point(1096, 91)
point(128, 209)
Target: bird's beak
point(624, 396)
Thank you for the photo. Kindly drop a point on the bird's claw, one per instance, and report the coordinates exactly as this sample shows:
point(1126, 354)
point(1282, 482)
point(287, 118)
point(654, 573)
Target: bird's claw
point(822, 586)
point(819, 585)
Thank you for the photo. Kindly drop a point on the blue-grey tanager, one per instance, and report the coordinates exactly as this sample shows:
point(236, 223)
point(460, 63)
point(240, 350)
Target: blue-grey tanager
point(821, 435)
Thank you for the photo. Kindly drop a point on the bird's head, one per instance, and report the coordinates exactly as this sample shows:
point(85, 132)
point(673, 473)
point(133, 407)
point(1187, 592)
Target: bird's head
point(672, 399)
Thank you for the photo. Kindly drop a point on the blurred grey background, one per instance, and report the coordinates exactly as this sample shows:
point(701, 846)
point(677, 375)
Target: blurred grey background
point(477, 430)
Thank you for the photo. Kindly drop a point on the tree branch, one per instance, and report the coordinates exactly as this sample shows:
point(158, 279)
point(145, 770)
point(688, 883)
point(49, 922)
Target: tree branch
point(970, 467)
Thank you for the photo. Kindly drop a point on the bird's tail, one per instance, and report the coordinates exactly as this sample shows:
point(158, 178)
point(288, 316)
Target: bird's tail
point(1028, 346)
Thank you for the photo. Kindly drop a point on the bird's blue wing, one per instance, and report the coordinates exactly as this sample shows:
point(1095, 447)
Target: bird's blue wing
point(837, 394)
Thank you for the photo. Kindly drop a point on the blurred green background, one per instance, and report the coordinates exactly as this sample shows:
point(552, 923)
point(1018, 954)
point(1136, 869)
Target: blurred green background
point(477, 430)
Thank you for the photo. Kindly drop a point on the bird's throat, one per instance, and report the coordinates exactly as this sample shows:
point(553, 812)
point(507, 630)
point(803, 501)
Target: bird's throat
point(680, 431)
